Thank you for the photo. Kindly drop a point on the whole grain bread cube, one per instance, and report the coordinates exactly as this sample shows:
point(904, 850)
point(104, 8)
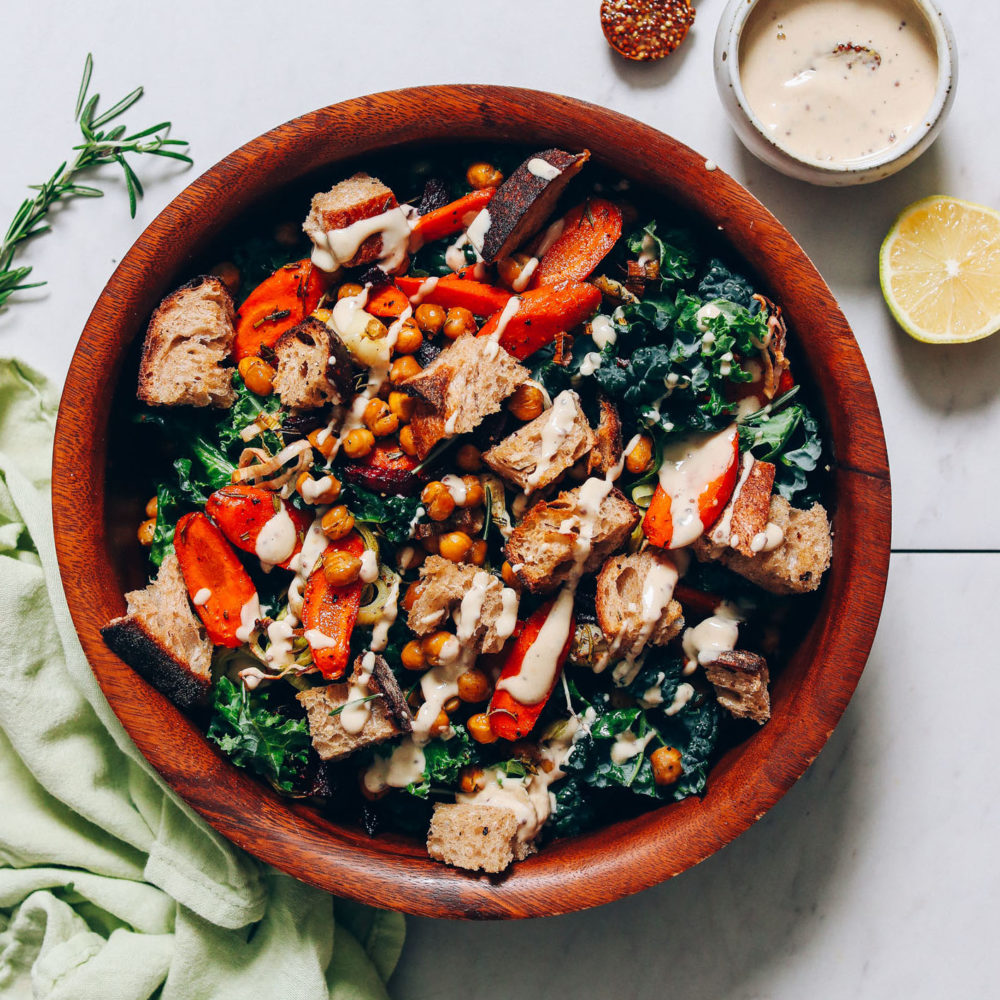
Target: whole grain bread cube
point(359, 197)
point(746, 514)
point(607, 450)
point(526, 457)
point(797, 565)
point(473, 837)
point(303, 365)
point(621, 585)
point(187, 348)
point(442, 586)
point(740, 679)
point(385, 721)
point(523, 202)
point(162, 639)
point(467, 381)
point(540, 549)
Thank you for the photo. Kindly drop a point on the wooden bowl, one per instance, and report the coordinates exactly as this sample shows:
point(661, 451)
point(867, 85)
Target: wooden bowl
point(99, 560)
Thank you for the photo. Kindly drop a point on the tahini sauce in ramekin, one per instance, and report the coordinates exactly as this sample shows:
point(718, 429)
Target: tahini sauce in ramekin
point(837, 81)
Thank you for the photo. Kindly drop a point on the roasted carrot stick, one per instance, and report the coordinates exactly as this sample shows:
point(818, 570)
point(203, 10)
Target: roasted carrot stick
point(388, 301)
point(449, 219)
point(453, 291)
point(330, 612)
point(218, 584)
point(509, 718)
point(243, 511)
point(589, 232)
point(543, 313)
point(277, 304)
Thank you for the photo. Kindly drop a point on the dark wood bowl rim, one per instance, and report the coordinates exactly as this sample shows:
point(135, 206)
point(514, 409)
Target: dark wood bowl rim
point(391, 871)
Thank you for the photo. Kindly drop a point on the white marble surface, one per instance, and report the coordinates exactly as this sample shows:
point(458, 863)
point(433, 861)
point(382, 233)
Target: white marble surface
point(876, 876)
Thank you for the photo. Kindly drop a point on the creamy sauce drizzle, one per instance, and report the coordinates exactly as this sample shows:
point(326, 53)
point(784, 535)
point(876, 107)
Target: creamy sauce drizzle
point(717, 634)
point(543, 169)
point(276, 541)
point(335, 247)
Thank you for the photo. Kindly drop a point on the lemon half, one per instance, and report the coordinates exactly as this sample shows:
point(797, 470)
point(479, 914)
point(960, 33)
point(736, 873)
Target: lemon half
point(940, 270)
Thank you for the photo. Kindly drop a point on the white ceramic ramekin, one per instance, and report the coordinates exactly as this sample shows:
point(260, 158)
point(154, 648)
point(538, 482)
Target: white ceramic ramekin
point(862, 171)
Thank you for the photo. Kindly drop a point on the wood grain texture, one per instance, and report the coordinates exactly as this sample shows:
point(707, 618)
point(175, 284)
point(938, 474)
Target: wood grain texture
point(392, 871)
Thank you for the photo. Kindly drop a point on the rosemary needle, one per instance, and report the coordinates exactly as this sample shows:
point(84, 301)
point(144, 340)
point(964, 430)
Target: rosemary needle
point(100, 145)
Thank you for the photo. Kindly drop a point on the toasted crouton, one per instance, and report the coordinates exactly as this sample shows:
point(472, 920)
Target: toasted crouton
point(796, 565)
point(161, 638)
point(467, 381)
point(474, 837)
point(740, 680)
point(442, 587)
point(303, 355)
point(188, 342)
point(622, 600)
point(538, 453)
point(607, 451)
point(388, 715)
point(541, 548)
point(359, 197)
point(746, 514)
point(523, 202)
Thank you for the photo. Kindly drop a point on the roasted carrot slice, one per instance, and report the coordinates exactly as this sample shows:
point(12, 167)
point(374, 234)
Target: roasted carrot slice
point(219, 586)
point(449, 219)
point(589, 232)
point(277, 304)
point(387, 302)
point(385, 469)
point(453, 291)
point(658, 525)
point(509, 718)
point(242, 512)
point(329, 613)
point(543, 313)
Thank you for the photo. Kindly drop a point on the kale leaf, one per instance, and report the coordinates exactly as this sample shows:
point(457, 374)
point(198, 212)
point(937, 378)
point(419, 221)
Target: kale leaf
point(443, 763)
point(168, 502)
point(719, 282)
point(394, 515)
point(573, 810)
point(673, 249)
point(274, 746)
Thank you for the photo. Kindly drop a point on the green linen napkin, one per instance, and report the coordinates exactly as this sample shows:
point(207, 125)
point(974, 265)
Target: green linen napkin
point(110, 886)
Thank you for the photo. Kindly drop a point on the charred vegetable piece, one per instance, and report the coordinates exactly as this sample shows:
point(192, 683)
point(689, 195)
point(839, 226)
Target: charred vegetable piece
point(543, 313)
point(329, 613)
point(589, 232)
point(242, 512)
point(523, 202)
point(219, 586)
point(276, 305)
point(388, 301)
point(509, 718)
point(385, 469)
point(646, 29)
point(449, 219)
point(460, 292)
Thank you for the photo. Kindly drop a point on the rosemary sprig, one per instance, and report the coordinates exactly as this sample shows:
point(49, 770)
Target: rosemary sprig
point(100, 145)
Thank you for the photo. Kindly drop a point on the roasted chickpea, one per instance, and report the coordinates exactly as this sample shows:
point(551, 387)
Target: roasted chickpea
point(403, 368)
point(477, 556)
point(483, 175)
point(411, 595)
point(229, 274)
point(379, 419)
point(438, 501)
point(375, 329)
point(430, 318)
point(318, 491)
point(480, 729)
point(473, 686)
point(406, 440)
point(473, 779)
point(341, 568)
point(358, 442)
point(438, 647)
point(469, 458)
point(526, 402)
point(257, 374)
point(146, 532)
point(666, 763)
point(508, 574)
point(402, 405)
point(441, 724)
point(322, 440)
point(409, 338)
point(474, 493)
point(412, 656)
point(509, 268)
point(453, 704)
point(458, 321)
point(639, 458)
point(349, 288)
point(455, 546)
point(152, 505)
point(337, 522)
